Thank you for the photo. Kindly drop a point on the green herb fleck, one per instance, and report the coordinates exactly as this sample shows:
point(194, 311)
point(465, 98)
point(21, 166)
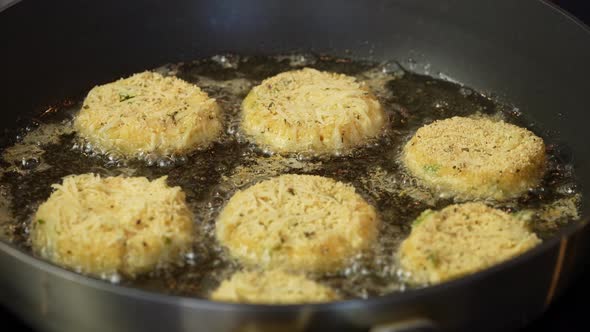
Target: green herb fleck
point(40, 221)
point(124, 96)
point(524, 215)
point(433, 259)
point(432, 168)
point(422, 217)
point(167, 240)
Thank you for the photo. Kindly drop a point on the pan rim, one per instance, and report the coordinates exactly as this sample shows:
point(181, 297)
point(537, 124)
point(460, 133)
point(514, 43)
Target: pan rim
point(566, 14)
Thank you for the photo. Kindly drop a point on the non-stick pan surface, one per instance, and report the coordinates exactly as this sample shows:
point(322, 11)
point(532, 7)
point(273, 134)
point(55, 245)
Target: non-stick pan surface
point(525, 52)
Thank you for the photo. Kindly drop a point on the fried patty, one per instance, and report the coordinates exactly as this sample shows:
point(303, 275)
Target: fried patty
point(113, 225)
point(297, 222)
point(272, 287)
point(476, 158)
point(462, 239)
point(148, 113)
point(312, 112)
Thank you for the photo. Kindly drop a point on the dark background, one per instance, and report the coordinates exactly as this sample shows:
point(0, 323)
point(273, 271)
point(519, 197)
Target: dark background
point(567, 313)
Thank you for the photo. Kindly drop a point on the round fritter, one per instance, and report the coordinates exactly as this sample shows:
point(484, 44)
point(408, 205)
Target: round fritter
point(113, 225)
point(297, 222)
point(148, 113)
point(462, 239)
point(312, 112)
point(272, 287)
point(476, 158)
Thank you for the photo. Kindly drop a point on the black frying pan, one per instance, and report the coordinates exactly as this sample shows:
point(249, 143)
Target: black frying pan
point(525, 52)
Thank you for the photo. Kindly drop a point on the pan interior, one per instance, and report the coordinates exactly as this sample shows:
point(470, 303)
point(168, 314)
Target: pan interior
point(48, 150)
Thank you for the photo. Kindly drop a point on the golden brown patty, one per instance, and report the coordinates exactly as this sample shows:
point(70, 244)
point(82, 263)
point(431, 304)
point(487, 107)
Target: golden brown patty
point(476, 158)
point(104, 226)
point(272, 287)
point(309, 111)
point(298, 222)
point(148, 113)
point(462, 239)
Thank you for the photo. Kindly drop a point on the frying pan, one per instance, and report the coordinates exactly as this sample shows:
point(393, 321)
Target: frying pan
point(527, 53)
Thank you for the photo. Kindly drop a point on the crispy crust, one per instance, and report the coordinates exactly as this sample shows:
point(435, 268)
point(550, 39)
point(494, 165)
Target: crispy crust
point(114, 225)
point(309, 111)
point(297, 222)
point(462, 239)
point(476, 158)
point(148, 113)
point(272, 287)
